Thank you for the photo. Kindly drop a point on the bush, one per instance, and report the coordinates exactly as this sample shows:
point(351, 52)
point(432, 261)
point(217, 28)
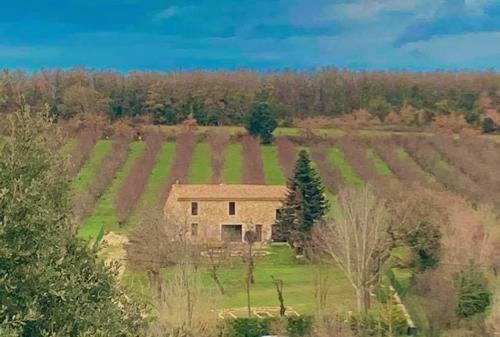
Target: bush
point(473, 295)
point(488, 125)
point(299, 326)
point(248, 327)
point(257, 327)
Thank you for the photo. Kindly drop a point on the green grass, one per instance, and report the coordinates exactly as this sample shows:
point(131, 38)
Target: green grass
point(233, 164)
point(104, 212)
point(337, 158)
point(159, 174)
point(89, 171)
point(298, 280)
point(201, 167)
point(380, 165)
point(272, 169)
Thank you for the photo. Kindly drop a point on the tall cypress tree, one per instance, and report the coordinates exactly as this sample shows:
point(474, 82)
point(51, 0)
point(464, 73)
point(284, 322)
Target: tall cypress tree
point(305, 203)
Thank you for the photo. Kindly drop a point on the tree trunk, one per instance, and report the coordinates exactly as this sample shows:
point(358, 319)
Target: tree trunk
point(215, 277)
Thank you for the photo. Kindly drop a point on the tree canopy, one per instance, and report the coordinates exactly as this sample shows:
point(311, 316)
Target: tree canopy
point(261, 123)
point(305, 202)
point(51, 283)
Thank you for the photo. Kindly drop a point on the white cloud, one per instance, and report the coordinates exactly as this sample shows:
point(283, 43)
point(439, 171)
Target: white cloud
point(367, 9)
point(168, 12)
point(470, 50)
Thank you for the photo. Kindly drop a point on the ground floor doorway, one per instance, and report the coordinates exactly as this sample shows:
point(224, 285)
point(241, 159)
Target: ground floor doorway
point(232, 233)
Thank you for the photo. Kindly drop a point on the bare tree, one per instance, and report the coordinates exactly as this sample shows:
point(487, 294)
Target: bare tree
point(250, 238)
point(217, 256)
point(278, 284)
point(357, 240)
point(151, 247)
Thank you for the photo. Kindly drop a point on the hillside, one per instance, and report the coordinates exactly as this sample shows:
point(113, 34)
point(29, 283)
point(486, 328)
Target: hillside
point(461, 171)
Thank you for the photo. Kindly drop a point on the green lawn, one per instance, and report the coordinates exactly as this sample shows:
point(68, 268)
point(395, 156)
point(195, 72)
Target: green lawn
point(201, 167)
point(89, 171)
point(272, 169)
point(104, 212)
point(233, 164)
point(337, 158)
point(380, 165)
point(298, 280)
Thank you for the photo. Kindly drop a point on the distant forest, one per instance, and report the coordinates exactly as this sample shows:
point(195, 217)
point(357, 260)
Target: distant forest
point(225, 98)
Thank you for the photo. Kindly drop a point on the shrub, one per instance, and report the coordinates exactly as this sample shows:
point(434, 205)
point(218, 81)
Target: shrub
point(488, 125)
point(299, 326)
point(249, 327)
point(425, 241)
point(473, 296)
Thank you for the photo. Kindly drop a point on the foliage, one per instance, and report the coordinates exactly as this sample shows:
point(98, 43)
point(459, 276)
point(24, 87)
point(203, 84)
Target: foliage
point(299, 326)
point(472, 117)
point(227, 98)
point(305, 202)
point(425, 241)
point(249, 327)
point(488, 125)
point(379, 107)
point(473, 295)
point(261, 123)
point(50, 282)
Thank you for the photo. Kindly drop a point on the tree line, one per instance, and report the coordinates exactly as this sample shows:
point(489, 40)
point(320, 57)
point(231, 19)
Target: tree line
point(226, 98)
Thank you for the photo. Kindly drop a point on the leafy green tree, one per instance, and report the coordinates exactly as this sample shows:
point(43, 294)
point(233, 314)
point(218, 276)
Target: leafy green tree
point(425, 241)
point(379, 107)
point(473, 296)
point(261, 123)
point(472, 117)
point(51, 283)
point(305, 203)
point(488, 125)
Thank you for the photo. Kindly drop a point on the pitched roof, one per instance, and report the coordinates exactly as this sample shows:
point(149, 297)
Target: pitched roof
point(229, 192)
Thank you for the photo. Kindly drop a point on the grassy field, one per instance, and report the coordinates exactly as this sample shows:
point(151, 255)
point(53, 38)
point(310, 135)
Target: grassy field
point(298, 279)
point(337, 158)
point(201, 167)
point(104, 212)
point(380, 165)
point(272, 168)
point(233, 164)
point(159, 174)
point(91, 168)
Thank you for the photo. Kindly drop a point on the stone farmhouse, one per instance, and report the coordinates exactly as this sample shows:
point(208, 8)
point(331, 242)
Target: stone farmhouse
point(216, 213)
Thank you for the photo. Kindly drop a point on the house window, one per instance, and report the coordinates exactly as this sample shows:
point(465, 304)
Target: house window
point(232, 208)
point(258, 232)
point(194, 229)
point(278, 213)
point(194, 208)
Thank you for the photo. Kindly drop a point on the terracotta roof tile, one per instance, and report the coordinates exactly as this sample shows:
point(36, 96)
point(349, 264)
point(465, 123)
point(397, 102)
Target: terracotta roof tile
point(229, 192)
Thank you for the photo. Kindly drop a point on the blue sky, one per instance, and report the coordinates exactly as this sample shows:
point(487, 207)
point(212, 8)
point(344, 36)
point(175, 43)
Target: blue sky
point(127, 35)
